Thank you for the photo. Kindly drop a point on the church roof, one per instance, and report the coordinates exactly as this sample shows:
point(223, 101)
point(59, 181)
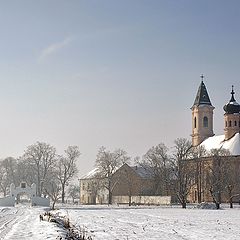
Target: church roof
point(142, 172)
point(202, 96)
point(218, 142)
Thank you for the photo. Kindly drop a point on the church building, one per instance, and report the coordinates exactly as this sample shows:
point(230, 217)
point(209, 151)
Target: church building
point(218, 172)
point(202, 123)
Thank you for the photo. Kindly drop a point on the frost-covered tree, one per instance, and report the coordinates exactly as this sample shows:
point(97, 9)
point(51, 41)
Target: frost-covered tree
point(107, 163)
point(41, 157)
point(67, 167)
point(25, 172)
point(8, 173)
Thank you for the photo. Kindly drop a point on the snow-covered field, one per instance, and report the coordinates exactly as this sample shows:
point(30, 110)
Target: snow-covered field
point(125, 223)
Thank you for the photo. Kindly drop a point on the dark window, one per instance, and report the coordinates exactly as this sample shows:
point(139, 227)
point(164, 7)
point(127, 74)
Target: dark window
point(205, 122)
point(230, 123)
point(235, 123)
point(226, 124)
point(195, 122)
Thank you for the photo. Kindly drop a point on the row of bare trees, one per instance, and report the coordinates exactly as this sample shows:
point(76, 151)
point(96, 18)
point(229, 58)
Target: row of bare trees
point(180, 171)
point(41, 164)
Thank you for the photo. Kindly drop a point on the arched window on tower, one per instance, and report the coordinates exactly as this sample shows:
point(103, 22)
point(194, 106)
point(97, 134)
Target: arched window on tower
point(230, 123)
point(235, 123)
point(195, 122)
point(205, 122)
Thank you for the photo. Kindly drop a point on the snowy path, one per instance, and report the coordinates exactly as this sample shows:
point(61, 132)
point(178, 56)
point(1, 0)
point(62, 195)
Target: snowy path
point(23, 223)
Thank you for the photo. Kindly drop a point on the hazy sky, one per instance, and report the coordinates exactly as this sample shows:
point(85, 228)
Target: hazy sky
point(119, 74)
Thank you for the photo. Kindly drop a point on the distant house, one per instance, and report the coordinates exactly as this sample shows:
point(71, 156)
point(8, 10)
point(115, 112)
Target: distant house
point(92, 189)
point(128, 181)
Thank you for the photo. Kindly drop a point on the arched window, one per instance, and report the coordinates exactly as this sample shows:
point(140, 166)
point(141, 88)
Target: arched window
point(205, 122)
point(235, 123)
point(225, 123)
point(195, 122)
point(230, 123)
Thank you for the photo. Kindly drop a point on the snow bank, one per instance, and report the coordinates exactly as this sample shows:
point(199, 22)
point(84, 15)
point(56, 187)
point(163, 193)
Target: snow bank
point(205, 205)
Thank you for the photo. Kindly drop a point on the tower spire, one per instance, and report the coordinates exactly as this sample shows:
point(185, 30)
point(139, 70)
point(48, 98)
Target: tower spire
point(202, 97)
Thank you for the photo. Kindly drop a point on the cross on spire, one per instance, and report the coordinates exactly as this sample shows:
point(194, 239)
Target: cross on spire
point(232, 98)
point(202, 77)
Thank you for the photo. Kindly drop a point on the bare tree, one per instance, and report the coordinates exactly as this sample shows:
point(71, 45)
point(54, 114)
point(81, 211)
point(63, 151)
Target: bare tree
point(4, 183)
point(125, 176)
point(183, 173)
point(156, 160)
point(128, 178)
point(198, 155)
point(41, 157)
point(223, 176)
point(95, 185)
point(231, 176)
point(53, 189)
point(25, 172)
point(108, 162)
point(67, 168)
point(74, 192)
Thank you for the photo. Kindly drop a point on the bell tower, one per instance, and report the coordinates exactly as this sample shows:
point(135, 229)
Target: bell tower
point(202, 116)
point(231, 117)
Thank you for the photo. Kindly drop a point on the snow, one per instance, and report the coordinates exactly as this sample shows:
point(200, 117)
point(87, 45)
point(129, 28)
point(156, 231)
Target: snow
point(23, 223)
point(125, 223)
point(156, 223)
point(218, 142)
point(91, 174)
point(206, 205)
point(234, 103)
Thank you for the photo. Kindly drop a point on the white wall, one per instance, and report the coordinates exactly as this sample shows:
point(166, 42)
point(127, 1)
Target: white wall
point(7, 202)
point(145, 200)
point(39, 201)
